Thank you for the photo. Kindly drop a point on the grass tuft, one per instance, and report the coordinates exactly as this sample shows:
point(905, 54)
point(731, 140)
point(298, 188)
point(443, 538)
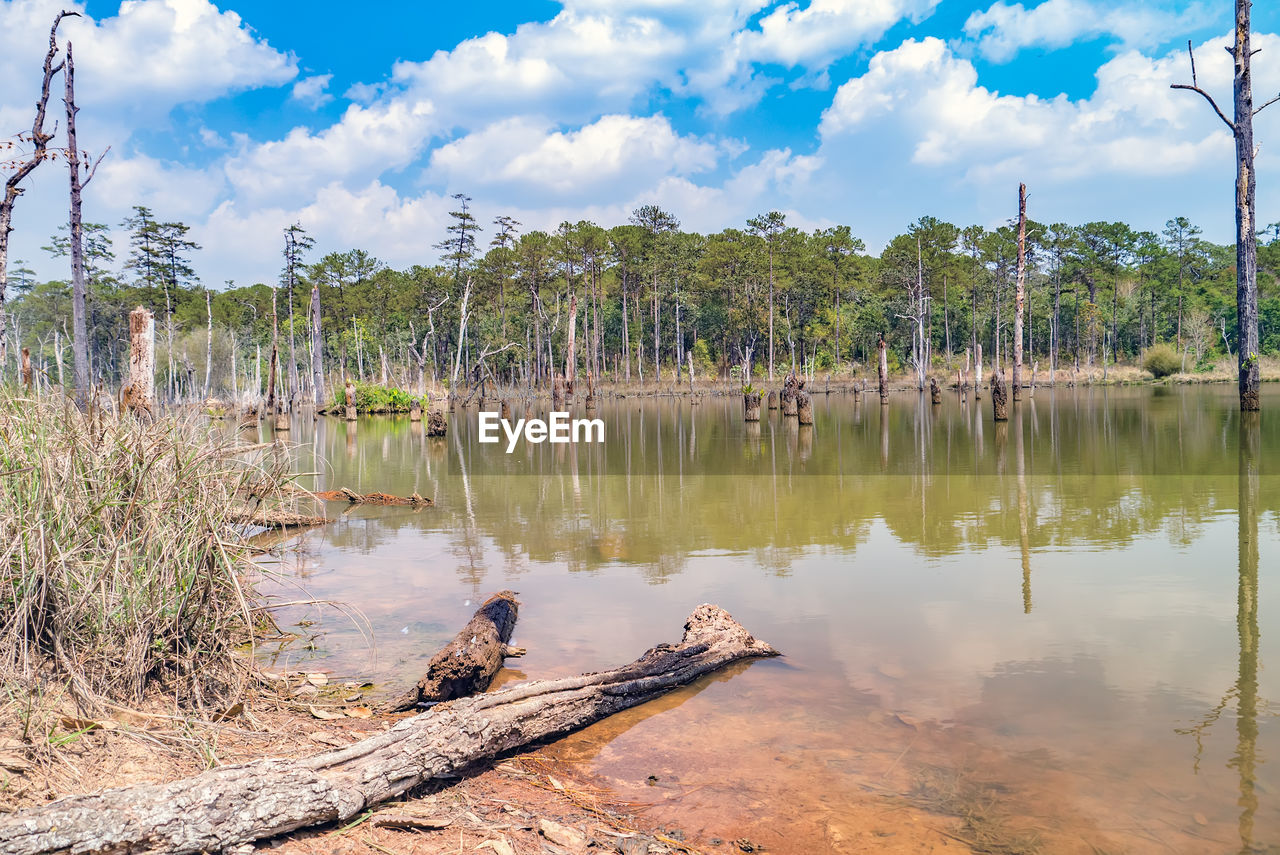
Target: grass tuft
point(121, 565)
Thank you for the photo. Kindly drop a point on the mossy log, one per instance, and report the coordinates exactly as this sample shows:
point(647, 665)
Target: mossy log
point(233, 806)
point(467, 664)
point(383, 499)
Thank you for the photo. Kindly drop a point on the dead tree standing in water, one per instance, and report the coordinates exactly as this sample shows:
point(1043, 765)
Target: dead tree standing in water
point(883, 350)
point(24, 167)
point(1246, 237)
point(1020, 292)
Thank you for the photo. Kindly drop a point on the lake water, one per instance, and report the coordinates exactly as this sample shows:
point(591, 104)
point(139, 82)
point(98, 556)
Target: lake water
point(1046, 635)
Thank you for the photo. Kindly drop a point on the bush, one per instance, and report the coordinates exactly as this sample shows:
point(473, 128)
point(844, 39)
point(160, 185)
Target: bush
point(1161, 360)
point(371, 398)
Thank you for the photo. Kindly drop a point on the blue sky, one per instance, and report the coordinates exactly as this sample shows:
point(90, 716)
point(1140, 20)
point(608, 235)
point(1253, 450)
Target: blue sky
point(359, 120)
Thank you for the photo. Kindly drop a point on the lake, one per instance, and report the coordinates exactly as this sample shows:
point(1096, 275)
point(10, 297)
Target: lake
point(1052, 628)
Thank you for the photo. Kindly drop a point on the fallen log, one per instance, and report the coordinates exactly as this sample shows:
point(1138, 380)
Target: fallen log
point(235, 805)
point(348, 495)
point(467, 664)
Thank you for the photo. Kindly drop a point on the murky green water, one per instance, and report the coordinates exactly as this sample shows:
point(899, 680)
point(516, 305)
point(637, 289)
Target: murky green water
point(1060, 625)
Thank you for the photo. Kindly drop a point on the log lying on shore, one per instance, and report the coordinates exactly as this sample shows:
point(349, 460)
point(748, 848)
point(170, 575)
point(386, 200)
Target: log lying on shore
point(236, 805)
point(467, 664)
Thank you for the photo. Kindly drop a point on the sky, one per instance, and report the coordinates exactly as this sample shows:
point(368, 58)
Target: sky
point(359, 121)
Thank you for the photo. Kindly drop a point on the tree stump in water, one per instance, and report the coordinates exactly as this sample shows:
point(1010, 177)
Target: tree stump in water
point(590, 401)
point(935, 391)
point(415, 411)
point(282, 422)
point(790, 387)
point(232, 806)
point(773, 399)
point(467, 664)
point(350, 393)
point(504, 409)
point(751, 406)
point(557, 393)
point(436, 424)
point(999, 397)
point(804, 407)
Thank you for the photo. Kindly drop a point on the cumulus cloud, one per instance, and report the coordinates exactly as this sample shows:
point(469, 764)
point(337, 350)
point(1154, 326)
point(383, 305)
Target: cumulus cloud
point(526, 157)
point(1003, 29)
point(312, 91)
point(1132, 123)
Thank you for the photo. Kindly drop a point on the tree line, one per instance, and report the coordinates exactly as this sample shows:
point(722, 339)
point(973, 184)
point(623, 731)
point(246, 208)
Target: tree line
point(644, 301)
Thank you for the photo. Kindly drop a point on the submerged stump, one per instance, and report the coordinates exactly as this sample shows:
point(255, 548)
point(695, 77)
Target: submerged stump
point(935, 391)
point(751, 406)
point(437, 425)
point(999, 397)
point(804, 407)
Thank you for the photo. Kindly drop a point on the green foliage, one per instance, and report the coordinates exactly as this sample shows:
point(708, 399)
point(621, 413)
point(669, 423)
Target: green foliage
point(372, 398)
point(1161, 360)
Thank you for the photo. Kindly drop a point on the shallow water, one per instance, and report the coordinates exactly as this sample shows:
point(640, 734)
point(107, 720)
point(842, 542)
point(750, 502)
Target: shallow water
point(1055, 628)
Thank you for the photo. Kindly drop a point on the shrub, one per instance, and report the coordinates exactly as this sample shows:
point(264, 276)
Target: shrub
point(372, 398)
point(1161, 360)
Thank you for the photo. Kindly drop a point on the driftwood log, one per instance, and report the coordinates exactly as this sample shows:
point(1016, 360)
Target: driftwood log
point(235, 805)
point(273, 518)
point(345, 494)
point(467, 664)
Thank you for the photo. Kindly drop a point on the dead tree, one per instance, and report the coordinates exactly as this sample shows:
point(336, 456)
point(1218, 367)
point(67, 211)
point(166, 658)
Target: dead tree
point(751, 405)
point(81, 174)
point(139, 393)
point(467, 664)
point(1246, 237)
point(317, 346)
point(234, 805)
point(883, 349)
point(23, 167)
point(1020, 292)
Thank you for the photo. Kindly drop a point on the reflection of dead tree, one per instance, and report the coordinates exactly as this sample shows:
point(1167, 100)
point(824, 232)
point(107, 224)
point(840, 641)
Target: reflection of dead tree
point(1245, 690)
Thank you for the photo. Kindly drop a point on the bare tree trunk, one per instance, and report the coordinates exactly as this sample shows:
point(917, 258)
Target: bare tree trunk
point(571, 349)
point(317, 347)
point(1246, 237)
point(26, 369)
point(1020, 292)
point(275, 349)
point(139, 394)
point(208, 344)
point(883, 350)
point(462, 334)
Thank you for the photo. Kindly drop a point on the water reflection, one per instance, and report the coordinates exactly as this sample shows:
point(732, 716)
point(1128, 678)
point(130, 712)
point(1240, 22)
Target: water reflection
point(889, 552)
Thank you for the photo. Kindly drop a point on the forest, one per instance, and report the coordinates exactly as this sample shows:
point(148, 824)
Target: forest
point(646, 300)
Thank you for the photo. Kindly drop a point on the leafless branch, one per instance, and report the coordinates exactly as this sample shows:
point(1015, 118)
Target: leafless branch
point(1195, 87)
point(1266, 105)
point(94, 170)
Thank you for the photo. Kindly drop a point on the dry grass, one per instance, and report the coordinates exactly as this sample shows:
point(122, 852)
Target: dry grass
point(121, 567)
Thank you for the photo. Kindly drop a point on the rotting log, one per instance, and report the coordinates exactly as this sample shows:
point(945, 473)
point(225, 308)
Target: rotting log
point(467, 664)
point(383, 499)
point(233, 806)
point(773, 399)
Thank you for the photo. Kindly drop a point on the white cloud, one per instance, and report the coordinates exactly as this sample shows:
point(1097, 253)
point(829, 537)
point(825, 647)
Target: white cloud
point(1003, 29)
point(365, 143)
point(1132, 124)
point(824, 30)
point(313, 91)
point(525, 157)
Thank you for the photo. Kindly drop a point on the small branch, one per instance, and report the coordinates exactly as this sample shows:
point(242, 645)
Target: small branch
point(1266, 105)
point(94, 170)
